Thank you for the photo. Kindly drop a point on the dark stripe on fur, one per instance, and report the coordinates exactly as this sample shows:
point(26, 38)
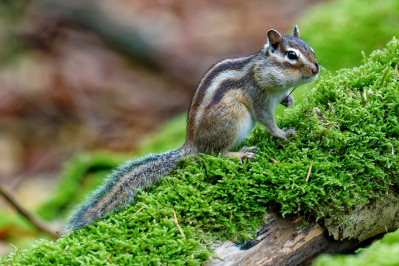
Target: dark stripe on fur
point(286, 64)
point(224, 87)
point(301, 45)
point(206, 82)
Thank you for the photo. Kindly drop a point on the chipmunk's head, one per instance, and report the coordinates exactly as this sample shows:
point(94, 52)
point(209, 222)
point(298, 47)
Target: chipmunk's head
point(290, 58)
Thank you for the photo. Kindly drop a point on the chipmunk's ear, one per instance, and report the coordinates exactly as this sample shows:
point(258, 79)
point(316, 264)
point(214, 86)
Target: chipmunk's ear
point(296, 31)
point(274, 39)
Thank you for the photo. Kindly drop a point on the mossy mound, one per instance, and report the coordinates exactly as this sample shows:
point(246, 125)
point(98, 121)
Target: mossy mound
point(347, 128)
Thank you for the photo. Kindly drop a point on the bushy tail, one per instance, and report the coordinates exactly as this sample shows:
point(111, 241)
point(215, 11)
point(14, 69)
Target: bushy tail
point(120, 188)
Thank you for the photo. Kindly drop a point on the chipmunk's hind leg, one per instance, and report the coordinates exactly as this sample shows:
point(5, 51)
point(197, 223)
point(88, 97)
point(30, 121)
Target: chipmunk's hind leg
point(219, 130)
point(243, 124)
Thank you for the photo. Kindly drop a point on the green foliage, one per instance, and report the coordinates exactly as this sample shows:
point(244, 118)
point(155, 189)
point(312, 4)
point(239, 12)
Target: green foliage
point(338, 30)
point(11, 14)
point(348, 127)
point(70, 190)
point(381, 253)
point(171, 135)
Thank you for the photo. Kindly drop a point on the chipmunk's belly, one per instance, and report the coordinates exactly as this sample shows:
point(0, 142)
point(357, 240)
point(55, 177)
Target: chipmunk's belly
point(244, 127)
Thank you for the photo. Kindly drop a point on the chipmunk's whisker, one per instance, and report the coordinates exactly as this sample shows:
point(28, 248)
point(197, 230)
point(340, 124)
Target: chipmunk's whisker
point(292, 90)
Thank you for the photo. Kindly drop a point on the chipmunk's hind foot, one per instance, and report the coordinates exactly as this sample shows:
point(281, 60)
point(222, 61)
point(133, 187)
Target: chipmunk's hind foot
point(244, 153)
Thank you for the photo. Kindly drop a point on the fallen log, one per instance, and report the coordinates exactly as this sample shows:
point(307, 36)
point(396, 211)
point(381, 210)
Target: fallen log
point(287, 241)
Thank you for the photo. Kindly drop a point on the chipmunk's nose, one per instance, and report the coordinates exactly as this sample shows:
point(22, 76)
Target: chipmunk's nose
point(316, 69)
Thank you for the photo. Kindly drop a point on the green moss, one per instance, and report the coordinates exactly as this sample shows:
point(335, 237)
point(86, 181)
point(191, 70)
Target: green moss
point(380, 253)
point(338, 30)
point(171, 135)
point(348, 128)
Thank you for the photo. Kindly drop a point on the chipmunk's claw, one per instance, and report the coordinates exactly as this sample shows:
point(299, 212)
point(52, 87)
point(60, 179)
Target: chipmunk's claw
point(247, 153)
point(244, 153)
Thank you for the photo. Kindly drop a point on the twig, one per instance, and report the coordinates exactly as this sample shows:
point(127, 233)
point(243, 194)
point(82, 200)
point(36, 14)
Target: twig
point(127, 250)
point(273, 160)
point(293, 137)
point(25, 213)
point(16, 254)
point(310, 170)
point(178, 226)
point(108, 259)
point(135, 213)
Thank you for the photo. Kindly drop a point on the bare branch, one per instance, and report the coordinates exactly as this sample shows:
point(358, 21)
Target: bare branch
point(25, 213)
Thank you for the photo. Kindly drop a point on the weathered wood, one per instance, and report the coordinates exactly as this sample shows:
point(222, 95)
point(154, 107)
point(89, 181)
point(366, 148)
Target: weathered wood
point(286, 241)
point(282, 241)
point(367, 220)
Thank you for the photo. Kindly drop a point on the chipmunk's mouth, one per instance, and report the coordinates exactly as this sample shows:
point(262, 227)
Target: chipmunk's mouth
point(309, 78)
point(312, 78)
point(311, 73)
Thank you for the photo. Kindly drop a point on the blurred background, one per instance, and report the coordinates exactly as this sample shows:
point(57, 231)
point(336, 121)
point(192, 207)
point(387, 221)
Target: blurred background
point(85, 85)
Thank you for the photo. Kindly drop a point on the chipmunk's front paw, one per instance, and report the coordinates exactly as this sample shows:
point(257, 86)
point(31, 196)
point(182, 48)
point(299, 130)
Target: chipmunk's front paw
point(287, 101)
point(289, 132)
point(283, 134)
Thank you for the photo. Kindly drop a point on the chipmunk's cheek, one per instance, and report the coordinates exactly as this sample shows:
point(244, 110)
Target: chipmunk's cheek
point(310, 73)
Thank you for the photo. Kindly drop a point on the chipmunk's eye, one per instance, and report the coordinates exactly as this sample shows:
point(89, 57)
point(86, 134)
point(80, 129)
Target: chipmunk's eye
point(292, 55)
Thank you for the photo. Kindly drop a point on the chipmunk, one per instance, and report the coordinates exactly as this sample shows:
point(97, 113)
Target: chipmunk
point(229, 99)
